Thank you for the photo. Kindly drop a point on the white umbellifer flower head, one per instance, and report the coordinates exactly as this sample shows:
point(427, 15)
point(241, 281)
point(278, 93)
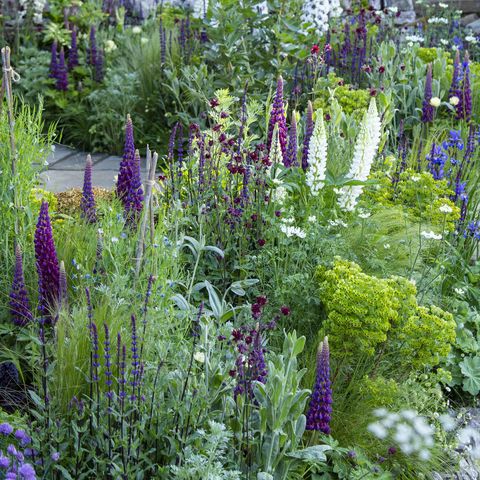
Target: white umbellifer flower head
point(312, 219)
point(144, 40)
point(412, 434)
point(290, 231)
point(437, 20)
point(444, 42)
point(443, 5)
point(446, 208)
point(415, 178)
point(435, 102)
point(110, 46)
point(317, 13)
point(414, 39)
point(317, 156)
point(431, 235)
point(459, 291)
point(136, 29)
point(199, 357)
point(471, 39)
point(364, 214)
point(364, 154)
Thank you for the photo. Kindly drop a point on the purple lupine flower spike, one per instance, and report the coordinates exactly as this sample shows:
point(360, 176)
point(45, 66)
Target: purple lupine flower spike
point(455, 85)
point(308, 134)
point(63, 286)
point(92, 50)
point(62, 73)
point(291, 157)
point(320, 408)
point(464, 107)
point(277, 116)
point(47, 262)
point(133, 202)
point(19, 304)
point(126, 165)
point(87, 204)
point(73, 53)
point(427, 109)
point(99, 66)
point(53, 62)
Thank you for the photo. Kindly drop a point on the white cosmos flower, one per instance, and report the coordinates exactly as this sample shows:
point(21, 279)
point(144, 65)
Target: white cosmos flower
point(317, 156)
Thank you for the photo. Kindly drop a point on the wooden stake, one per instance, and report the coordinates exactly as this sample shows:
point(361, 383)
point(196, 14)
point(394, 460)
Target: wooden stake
point(147, 203)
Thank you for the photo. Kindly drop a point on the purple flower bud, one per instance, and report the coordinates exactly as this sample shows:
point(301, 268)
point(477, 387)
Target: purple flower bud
point(320, 408)
point(5, 429)
point(19, 303)
point(126, 165)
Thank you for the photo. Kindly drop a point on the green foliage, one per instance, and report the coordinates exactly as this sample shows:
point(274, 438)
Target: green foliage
point(368, 315)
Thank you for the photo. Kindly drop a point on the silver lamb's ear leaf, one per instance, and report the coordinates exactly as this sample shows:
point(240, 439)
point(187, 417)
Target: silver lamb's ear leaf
point(315, 453)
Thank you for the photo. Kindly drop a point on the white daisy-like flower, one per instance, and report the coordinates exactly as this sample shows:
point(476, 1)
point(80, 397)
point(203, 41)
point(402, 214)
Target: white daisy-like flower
point(435, 102)
point(454, 101)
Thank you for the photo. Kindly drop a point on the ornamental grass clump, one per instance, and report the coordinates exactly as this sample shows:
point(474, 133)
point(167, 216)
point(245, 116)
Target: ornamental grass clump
point(320, 408)
point(48, 269)
point(19, 304)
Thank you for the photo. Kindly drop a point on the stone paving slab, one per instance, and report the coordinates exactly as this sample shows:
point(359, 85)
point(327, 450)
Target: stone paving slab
point(109, 163)
point(76, 161)
point(59, 153)
point(61, 180)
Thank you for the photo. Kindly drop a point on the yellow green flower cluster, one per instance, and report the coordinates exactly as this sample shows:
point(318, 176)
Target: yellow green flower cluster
point(366, 315)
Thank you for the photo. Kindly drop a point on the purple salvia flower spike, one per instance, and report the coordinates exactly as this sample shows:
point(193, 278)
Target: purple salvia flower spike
point(320, 408)
point(277, 116)
point(126, 165)
point(464, 107)
point(19, 304)
point(73, 53)
point(87, 204)
point(53, 62)
point(308, 134)
point(47, 262)
point(428, 109)
point(291, 157)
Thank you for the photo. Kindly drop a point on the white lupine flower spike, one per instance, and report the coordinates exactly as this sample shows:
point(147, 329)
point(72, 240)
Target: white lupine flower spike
point(365, 150)
point(317, 156)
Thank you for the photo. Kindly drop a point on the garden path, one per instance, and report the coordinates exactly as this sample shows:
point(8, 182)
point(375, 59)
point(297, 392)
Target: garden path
point(66, 166)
